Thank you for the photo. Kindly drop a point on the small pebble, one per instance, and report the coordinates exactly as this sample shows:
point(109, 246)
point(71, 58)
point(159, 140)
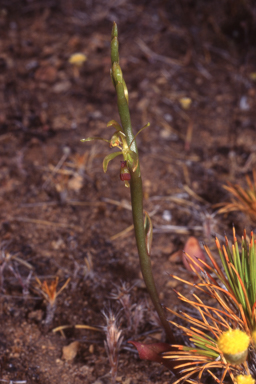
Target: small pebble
point(69, 352)
point(172, 284)
point(243, 104)
point(167, 216)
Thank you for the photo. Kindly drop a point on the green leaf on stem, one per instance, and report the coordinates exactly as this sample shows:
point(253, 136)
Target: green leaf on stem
point(114, 44)
point(126, 91)
point(108, 158)
point(133, 160)
point(114, 50)
point(114, 32)
point(111, 75)
point(148, 228)
point(117, 73)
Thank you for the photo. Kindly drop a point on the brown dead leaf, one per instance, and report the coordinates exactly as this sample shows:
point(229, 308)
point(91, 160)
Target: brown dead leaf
point(193, 249)
point(76, 182)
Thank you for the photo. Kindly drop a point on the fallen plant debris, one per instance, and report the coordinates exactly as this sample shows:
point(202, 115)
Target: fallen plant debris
point(242, 200)
point(50, 293)
point(192, 247)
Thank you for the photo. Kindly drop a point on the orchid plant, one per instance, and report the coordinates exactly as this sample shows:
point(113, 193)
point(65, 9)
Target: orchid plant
point(125, 141)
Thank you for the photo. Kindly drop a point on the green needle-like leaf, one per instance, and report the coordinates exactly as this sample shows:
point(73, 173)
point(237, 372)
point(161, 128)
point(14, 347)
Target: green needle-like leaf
point(145, 126)
point(114, 45)
point(94, 138)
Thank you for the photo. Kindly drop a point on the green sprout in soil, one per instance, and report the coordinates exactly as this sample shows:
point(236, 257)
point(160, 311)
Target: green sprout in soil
point(124, 140)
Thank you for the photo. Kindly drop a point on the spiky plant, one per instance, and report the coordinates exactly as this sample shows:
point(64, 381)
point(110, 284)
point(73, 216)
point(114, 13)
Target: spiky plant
point(239, 275)
point(221, 335)
point(242, 200)
point(204, 353)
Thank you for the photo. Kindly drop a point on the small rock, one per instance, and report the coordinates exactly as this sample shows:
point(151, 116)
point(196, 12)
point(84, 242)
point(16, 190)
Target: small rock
point(46, 73)
point(167, 216)
point(243, 104)
point(36, 315)
point(168, 117)
point(76, 182)
point(74, 42)
point(60, 122)
point(69, 352)
point(172, 284)
point(61, 86)
point(91, 348)
point(96, 115)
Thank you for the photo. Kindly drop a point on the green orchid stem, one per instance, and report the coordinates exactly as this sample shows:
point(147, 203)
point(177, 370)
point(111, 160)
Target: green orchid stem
point(145, 262)
point(136, 189)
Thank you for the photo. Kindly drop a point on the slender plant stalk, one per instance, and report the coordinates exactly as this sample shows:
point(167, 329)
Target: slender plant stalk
point(136, 185)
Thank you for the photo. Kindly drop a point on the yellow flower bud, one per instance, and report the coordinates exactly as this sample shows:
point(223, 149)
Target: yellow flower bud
point(244, 379)
point(234, 345)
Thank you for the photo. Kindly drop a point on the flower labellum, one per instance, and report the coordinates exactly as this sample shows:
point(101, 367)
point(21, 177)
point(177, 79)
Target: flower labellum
point(115, 140)
point(124, 172)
